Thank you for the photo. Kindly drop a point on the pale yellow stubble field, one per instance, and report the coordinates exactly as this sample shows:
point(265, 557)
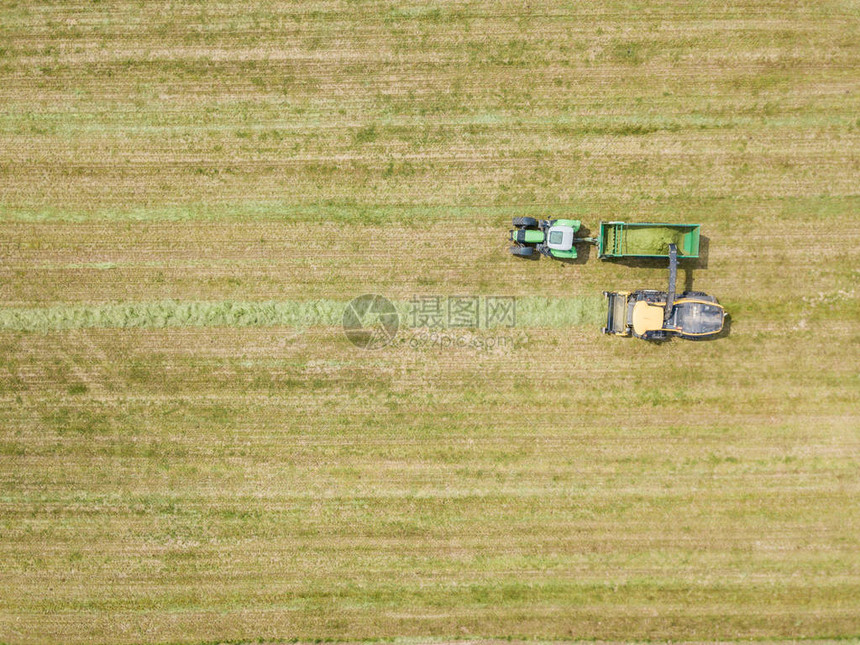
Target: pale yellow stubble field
point(196, 484)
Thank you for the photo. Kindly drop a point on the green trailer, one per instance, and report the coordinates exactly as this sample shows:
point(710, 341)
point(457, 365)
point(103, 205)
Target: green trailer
point(646, 240)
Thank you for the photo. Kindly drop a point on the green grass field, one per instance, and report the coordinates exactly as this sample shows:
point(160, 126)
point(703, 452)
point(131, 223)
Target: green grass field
point(191, 451)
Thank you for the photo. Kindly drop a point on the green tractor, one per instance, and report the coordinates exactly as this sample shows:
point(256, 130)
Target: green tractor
point(645, 313)
point(554, 238)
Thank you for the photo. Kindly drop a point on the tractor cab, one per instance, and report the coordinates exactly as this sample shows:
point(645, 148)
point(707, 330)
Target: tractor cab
point(560, 237)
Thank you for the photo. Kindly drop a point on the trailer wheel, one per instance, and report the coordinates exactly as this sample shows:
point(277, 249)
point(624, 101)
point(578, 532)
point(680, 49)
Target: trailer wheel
point(522, 251)
point(525, 222)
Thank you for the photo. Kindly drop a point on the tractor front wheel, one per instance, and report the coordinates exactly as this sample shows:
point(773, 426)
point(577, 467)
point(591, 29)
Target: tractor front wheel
point(525, 222)
point(522, 251)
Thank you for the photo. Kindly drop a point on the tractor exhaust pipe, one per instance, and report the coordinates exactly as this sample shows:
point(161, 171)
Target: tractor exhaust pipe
point(673, 277)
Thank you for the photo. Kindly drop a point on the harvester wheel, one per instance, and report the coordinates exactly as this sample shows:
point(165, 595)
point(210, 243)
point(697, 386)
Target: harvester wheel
point(522, 251)
point(525, 222)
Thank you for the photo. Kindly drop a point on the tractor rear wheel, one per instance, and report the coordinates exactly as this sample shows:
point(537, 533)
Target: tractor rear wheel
point(525, 222)
point(522, 251)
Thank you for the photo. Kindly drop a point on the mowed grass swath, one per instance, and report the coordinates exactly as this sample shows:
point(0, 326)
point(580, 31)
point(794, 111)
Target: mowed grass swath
point(192, 450)
point(527, 312)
